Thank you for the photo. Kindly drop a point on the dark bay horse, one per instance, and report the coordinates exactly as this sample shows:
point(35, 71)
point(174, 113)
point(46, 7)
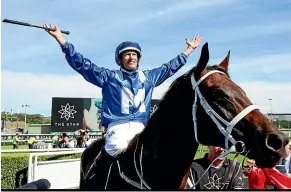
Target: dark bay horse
point(204, 105)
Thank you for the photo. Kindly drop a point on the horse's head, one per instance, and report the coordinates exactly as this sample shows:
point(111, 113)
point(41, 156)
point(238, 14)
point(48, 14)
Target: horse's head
point(222, 104)
point(201, 99)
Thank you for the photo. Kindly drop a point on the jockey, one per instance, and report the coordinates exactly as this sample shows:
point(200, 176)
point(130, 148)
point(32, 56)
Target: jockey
point(126, 93)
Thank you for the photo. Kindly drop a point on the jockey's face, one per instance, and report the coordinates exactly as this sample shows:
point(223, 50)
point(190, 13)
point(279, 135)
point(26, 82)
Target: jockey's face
point(129, 60)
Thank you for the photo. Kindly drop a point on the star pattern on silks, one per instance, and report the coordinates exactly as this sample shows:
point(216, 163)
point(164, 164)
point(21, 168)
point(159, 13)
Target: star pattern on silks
point(214, 182)
point(153, 109)
point(67, 111)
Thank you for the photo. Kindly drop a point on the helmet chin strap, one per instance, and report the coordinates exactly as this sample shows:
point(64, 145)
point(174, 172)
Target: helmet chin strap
point(122, 68)
point(127, 71)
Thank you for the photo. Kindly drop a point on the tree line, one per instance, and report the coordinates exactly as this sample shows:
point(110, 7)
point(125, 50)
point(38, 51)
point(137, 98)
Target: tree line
point(284, 124)
point(30, 118)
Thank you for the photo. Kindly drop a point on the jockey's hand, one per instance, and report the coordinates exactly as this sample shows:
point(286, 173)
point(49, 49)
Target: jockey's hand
point(192, 44)
point(56, 33)
point(195, 42)
point(288, 175)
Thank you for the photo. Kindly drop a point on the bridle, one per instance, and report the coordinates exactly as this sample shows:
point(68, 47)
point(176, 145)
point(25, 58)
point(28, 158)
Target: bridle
point(215, 118)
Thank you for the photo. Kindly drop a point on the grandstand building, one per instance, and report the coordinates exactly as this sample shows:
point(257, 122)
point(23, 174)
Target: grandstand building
point(279, 116)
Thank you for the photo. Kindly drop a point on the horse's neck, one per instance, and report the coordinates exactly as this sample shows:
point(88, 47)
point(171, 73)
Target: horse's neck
point(169, 141)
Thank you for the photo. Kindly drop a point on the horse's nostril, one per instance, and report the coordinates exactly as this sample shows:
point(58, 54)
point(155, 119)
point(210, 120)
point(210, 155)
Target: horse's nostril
point(274, 141)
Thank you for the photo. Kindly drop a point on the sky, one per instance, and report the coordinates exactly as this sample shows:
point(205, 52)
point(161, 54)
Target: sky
point(34, 69)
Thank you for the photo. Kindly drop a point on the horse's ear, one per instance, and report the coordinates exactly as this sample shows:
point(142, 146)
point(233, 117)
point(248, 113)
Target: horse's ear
point(203, 60)
point(225, 62)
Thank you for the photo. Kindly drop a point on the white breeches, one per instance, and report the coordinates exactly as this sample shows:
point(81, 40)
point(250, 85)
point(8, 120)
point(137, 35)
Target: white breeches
point(119, 135)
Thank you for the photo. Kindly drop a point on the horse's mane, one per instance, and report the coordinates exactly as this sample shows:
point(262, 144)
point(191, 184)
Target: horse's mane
point(164, 113)
point(186, 78)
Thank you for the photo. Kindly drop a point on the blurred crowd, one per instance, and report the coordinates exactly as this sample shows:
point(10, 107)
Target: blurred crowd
point(80, 139)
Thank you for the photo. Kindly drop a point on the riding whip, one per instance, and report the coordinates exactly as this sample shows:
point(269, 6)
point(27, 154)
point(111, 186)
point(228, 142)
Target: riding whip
point(31, 25)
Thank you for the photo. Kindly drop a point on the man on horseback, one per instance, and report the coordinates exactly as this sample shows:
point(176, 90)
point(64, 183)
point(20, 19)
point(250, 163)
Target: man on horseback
point(126, 93)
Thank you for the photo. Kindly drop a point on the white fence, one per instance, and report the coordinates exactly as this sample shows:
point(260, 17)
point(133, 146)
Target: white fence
point(62, 174)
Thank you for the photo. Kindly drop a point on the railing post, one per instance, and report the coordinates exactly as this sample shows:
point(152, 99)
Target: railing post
point(34, 167)
point(30, 167)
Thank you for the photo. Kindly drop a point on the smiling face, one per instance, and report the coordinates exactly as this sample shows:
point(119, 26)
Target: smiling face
point(129, 60)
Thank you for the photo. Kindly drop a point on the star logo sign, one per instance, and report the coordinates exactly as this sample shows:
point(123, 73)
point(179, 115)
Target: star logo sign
point(67, 111)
